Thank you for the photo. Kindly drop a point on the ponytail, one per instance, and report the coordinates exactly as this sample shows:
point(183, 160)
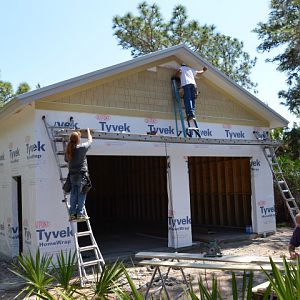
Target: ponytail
point(73, 142)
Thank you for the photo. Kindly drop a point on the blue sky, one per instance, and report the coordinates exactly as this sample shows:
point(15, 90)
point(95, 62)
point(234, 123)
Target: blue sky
point(50, 41)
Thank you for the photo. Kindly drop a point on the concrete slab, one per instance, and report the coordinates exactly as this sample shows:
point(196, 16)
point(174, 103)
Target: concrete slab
point(123, 244)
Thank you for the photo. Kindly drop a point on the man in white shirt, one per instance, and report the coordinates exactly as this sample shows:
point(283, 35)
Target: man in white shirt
point(188, 83)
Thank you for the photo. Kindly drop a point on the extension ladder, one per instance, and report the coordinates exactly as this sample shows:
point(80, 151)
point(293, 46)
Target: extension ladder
point(284, 189)
point(58, 144)
point(186, 131)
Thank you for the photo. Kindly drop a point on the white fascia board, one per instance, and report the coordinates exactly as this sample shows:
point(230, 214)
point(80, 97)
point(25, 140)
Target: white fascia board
point(23, 99)
point(184, 54)
point(96, 75)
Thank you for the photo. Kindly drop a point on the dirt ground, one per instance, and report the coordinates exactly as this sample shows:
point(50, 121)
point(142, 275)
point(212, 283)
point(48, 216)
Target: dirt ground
point(274, 245)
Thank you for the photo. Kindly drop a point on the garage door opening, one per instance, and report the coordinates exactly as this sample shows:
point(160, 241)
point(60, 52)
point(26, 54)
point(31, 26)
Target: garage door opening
point(128, 203)
point(220, 191)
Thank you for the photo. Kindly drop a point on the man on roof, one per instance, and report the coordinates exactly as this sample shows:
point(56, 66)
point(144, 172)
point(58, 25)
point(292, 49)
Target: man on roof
point(188, 83)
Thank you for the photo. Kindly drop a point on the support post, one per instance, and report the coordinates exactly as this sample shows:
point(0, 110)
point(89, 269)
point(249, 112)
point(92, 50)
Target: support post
point(179, 212)
point(263, 210)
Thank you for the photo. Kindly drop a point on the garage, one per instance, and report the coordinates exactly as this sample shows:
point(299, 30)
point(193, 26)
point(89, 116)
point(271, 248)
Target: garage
point(129, 197)
point(220, 191)
point(129, 201)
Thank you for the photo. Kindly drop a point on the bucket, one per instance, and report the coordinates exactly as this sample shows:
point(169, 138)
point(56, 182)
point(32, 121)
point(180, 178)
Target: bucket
point(249, 229)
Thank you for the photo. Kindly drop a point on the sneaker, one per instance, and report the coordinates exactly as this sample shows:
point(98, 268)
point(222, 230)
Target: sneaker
point(72, 218)
point(82, 218)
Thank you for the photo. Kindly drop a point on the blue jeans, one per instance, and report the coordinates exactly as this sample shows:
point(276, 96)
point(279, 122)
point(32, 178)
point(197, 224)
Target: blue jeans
point(189, 99)
point(77, 199)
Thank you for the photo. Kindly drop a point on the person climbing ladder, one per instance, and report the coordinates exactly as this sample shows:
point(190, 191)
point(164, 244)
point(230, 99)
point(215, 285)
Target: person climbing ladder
point(188, 83)
point(78, 170)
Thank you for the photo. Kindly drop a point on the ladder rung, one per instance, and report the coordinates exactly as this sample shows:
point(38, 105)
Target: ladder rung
point(285, 191)
point(290, 199)
point(192, 128)
point(58, 139)
point(87, 248)
point(91, 263)
point(281, 181)
point(83, 233)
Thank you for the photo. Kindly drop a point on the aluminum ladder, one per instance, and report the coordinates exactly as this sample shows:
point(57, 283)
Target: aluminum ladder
point(88, 269)
point(189, 130)
point(269, 152)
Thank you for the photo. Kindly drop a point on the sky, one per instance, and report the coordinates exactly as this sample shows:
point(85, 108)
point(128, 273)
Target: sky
point(49, 41)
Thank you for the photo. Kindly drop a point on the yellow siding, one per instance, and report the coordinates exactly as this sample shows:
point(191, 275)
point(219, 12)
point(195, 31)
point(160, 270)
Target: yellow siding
point(213, 103)
point(149, 94)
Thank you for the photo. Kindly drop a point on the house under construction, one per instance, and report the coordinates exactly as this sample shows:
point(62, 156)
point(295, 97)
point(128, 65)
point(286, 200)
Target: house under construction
point(221, 185)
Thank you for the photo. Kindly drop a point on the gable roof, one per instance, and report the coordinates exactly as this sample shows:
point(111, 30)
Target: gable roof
point(183, 53)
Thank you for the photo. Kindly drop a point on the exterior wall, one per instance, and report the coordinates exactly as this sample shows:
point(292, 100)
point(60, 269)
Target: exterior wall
point(18, 157)
point(149, 94)
point(133, 103)
point(26, 151)
point(263, 218)
point(53, 230)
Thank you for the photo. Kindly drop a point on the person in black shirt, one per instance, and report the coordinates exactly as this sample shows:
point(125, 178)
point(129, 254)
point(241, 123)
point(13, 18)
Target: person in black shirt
point(295, 239)
point(76, 157)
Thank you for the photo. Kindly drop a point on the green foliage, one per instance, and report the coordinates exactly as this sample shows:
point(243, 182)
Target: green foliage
point(286, 284)
point(289, 155)
point(34, 271)
point(149, 32)
point(7, 93)
point(108, 281)
point(65, 271)
point(22, 88)
point(134, 295)
point(291, 141)
point(283, 30)
point(215, 294)
point(205, 294)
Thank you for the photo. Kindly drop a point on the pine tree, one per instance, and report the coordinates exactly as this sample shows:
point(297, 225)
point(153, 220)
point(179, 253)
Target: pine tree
point(148, 32)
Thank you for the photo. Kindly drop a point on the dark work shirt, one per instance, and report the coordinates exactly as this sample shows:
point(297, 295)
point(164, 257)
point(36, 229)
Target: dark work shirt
point(79, 163)
point(295, 239)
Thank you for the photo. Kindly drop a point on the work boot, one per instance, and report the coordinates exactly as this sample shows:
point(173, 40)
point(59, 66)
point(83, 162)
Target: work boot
point(190, 118)
point(82, 218)
point(72, 218)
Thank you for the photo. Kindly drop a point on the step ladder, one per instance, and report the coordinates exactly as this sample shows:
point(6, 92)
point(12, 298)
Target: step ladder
point(189, 130)
point(88, 268)
point(270, 154)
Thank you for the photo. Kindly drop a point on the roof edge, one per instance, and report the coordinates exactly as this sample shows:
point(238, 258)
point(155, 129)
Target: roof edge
point(240, 88)
point(133, 63)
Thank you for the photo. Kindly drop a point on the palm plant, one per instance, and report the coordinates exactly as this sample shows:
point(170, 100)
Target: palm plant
point(134, 295)
point(286, 284)
point(108, 281)
point(65, 271)
point(215, 294)
point(205, 294)
point(34, 271)
point(246, 288)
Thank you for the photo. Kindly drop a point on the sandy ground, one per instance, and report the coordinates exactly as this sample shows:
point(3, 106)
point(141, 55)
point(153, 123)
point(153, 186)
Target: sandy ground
point(274, 245)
